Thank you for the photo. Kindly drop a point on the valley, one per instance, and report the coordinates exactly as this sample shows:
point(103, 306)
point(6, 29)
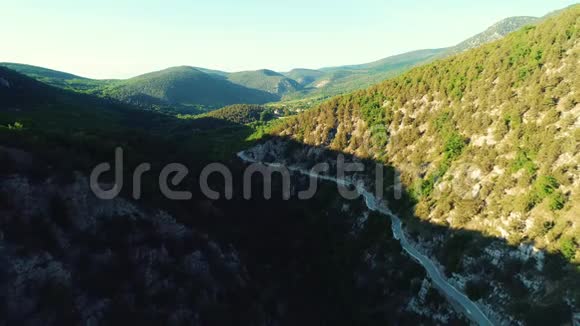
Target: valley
point(463, 163)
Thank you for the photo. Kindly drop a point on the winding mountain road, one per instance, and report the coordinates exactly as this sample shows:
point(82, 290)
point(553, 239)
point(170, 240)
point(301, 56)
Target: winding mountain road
point(456, 297)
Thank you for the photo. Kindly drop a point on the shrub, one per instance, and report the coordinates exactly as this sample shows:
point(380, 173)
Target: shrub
point(442, 121)
point(16, 126)
point(543, 187)
point(523, 161)
point(557, 201)
point(454, 145)
point(568, 248)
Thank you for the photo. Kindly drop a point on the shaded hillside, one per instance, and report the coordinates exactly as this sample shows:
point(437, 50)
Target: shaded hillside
point(82, 118)
point(57, 78)
point(174, 90)
point(39, 72)
point(17, 90)
point(487, 140)
point(38, 105)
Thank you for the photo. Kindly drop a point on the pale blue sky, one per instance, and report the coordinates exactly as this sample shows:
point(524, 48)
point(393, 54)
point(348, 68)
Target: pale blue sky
point(118, 39)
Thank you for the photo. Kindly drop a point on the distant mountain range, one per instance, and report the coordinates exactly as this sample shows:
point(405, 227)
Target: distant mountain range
point(187, 89)
point(184, 88)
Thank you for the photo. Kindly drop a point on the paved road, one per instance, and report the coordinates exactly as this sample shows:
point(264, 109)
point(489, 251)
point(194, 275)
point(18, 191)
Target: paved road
point(468, 307)
point(458, 299)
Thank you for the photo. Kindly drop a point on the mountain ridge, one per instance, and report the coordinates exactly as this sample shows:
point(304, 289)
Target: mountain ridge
point(493, 33)
point(292, 85)
point(184, 87)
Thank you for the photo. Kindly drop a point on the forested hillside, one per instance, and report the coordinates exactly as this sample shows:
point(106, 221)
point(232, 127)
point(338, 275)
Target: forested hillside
point(487, 140)
point(510, 108)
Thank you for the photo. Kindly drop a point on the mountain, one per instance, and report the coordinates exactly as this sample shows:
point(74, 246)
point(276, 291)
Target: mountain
point(183, 88)
point(37, 105)
point(493, 33)
point(265, 80)
point(334, 80)
point(21, 93)
point(16, 89)
point(392, 62)
point(486, 143)
point(39, 72)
